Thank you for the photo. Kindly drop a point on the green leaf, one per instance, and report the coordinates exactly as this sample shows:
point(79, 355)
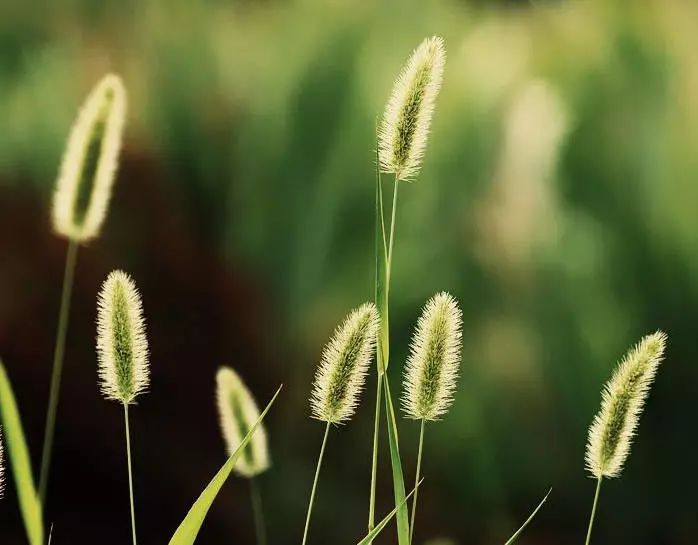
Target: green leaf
point(403, 525)
point(529, 519)
point(381, 294)
point(383, 523)
point(18, 455)
point(190, 526)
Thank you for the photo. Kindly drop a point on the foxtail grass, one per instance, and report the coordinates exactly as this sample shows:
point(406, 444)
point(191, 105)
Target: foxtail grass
point(238, 412)
point(80, 204)
point(400, 145)
point(122, 351)
point(622, 401)
point(340, 377)
point(431, 371)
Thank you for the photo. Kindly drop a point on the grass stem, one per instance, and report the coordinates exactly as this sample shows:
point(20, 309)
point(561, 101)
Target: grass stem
point(312, 492)
point(130, 474)
point(58, 356)
point(593, 510)
point(258, 512)
point(417, 477)
point(374, 460)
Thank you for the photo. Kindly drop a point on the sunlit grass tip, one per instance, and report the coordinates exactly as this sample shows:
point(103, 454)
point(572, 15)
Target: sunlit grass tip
point(431, 371)
point(238, 412)
point(623, 398)
point(404, 129)
point(122, 347)
point(90, 161)
point(342, 370)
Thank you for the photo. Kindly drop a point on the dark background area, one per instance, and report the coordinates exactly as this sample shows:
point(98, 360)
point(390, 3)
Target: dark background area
point(557, 203)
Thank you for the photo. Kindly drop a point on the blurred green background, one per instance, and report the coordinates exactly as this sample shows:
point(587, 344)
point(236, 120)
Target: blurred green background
point(557, 203)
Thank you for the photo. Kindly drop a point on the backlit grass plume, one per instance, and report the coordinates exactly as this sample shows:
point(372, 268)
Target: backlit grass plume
point(432, 366)
point(340, 377)
point(403, 132)
point(238, 412)
point(623, 398)
point(342, 370)
point(432, 370)
point(122, 347)
point(122, 351)
point(90, 161)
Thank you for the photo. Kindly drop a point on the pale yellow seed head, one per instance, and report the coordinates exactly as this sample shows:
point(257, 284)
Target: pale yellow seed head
point(404, 129)
point(238, 413)
point(345, 360)
point(89, 164)
point(122, 347)
point(623, 398)
point(431, 371)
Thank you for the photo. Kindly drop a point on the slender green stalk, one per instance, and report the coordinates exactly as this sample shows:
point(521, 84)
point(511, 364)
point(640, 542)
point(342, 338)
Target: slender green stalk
point(258, 512)
point(593, 510)
point(392, 235)
point(130, 474)
point(58, 353)
point(374, 461)
point(518, 532)
point(312, 492)
point(417, 477)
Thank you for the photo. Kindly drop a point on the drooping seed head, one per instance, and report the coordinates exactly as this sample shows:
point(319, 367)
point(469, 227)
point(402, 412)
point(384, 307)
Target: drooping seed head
point(340, 376)
point(89, 163)
point(623, 398)
point(403, 132)
point(122, 347)
point(238, 412)
point(432, 366)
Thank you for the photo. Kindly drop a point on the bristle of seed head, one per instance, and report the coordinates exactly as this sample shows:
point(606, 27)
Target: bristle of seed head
point(431, 371)
point(89, 164)
point(623, 398)
point(238, 412)
point(122, 347)
point(342, 370)
point(404, 130)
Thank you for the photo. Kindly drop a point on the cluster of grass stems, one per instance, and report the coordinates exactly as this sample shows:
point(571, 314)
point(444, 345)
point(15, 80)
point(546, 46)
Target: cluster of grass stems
point(430, 373)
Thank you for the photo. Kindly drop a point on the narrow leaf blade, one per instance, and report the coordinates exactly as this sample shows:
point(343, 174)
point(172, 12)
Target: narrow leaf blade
point(18, 454)
point(529, 519)
point(190, 526)
point(403, 525)
point(373, 534)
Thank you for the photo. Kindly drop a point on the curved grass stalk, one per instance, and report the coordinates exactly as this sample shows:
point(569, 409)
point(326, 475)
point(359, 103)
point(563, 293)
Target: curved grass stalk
point(315, 480)
point(518, 532)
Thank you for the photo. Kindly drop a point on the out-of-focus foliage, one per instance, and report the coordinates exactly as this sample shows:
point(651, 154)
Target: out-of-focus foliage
point(556, 202)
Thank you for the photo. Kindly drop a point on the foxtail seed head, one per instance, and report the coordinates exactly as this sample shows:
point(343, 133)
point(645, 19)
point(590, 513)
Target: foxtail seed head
point(432, 366)
point(122, 347)
point(340, 376)
point(238, 412)
point(622, 401)
point(89, 163)
point(403, 132)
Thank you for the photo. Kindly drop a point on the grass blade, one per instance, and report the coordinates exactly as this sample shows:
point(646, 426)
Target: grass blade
point(190, 526)
point(529, 519)
point(373, 534)
point(403, 525)
point(18, 454)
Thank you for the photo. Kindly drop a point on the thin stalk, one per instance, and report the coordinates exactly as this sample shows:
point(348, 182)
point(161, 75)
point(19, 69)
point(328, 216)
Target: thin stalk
point(374, 461)
point(593, 510)
point(258, 512)
point(417, 477)
point(58, 353)
point(312, 492)
point(396, 184)
point(130, 474)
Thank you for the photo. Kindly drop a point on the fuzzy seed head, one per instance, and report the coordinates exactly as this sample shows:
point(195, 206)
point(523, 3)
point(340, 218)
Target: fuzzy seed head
point(122, 347)
point(432, 366)
point(89, 163)
point(238, 412)
point(622, 400)
point(345, 360)
point(403, 132)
